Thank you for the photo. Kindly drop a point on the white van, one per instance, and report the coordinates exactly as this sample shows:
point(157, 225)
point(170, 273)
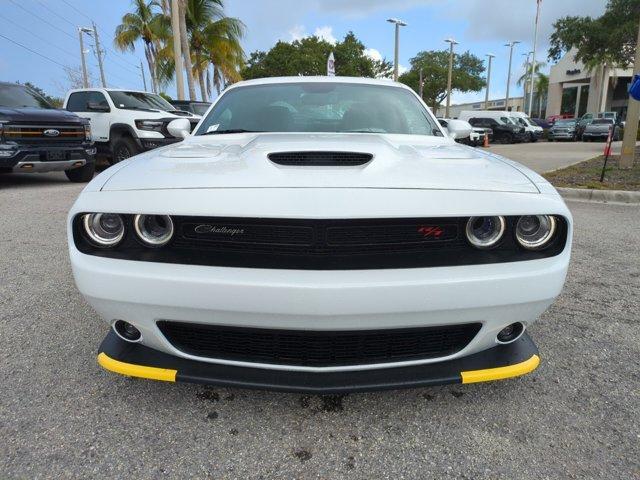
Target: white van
point(534, 130)
point(506, 129)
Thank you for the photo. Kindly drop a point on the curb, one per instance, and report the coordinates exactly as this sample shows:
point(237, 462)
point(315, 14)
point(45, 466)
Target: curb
point(600, 196)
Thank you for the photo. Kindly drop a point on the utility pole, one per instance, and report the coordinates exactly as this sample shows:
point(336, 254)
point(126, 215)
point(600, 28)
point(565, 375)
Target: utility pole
point(486, 95)
point(144, 80)
point(510, 45)
point(177, 50)
point(85, 78)
point(398, 24)
point(533, 61)
point(451, 43)
point(631, 126)
point(99, 54)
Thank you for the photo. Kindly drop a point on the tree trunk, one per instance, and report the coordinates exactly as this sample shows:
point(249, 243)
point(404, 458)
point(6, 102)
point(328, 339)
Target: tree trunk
point(152, 70)
point(186, 53)
point(203, 90)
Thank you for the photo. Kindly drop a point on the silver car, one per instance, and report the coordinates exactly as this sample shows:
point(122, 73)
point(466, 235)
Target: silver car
point(564, 129)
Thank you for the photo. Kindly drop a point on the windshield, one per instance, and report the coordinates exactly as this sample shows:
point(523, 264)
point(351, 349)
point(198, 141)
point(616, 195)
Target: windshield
point(200, 108)
point(140, 100)
point(18, 96)
point(319, 107)
point(508, 121)
point(602, 121)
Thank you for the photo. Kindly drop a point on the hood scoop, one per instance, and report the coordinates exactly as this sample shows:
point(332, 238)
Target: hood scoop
point(320, 159)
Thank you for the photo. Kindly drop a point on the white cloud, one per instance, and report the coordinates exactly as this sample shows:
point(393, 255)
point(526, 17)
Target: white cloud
point(325, 33)
point(373, 54)
point(402, 69)
point(297, 32)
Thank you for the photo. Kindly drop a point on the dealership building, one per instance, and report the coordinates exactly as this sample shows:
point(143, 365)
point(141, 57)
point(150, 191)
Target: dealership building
point(575, 90)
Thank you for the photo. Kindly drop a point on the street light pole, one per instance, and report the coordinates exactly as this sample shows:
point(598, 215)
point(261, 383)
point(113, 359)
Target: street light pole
point(144, 80)
point(398, 24)
point(451, 43)
point(511, 44)
point(486, 95)
point(533, 61)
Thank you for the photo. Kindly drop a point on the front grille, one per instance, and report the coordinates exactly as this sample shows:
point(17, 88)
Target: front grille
point(34, 134)
point(317, 348)
point(320, 159)
point(314, 244)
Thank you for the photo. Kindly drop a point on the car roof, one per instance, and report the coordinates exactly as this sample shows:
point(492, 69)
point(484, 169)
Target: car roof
point(322, 79)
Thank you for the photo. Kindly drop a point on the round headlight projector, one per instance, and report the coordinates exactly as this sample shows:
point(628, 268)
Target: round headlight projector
point(485, 232)
point(104, 229)
point(153, 230)
point(535, 231)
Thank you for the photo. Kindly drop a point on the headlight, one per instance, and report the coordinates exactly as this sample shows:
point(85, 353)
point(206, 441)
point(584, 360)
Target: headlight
point(485, 232)
point(153, 230)
point(535, 231)
point(87, 132)
point(151, 125)
point(104, 229)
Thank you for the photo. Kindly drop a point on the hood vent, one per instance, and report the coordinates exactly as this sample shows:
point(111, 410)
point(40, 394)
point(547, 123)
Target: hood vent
point(320, 159)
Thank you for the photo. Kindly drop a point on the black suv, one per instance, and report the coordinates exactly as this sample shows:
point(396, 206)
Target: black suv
point(503, 132)
point(35, 137)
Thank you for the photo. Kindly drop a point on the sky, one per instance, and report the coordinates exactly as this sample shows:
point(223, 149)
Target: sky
point(48, 28)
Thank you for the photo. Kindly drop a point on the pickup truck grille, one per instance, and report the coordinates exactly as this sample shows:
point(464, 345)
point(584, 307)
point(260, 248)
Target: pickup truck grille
point(315, 348)
point(35, 134)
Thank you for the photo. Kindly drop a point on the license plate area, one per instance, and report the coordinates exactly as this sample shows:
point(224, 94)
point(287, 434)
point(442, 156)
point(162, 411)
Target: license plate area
point(54, 155)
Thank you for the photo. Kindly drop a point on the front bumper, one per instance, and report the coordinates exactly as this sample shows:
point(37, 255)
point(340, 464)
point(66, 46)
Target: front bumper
point(497, 363)
point(34, 159)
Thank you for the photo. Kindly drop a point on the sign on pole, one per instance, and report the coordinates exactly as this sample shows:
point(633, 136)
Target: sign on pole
point(331, 66)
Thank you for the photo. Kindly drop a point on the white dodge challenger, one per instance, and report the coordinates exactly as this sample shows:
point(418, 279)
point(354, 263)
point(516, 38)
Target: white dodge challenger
point(319, 234)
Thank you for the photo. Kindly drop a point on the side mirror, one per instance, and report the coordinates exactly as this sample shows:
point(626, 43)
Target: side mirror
point(97, 107)
point(179, 128)
point(458, 129)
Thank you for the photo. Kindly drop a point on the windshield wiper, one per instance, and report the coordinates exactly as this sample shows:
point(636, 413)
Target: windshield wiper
point(232, 130)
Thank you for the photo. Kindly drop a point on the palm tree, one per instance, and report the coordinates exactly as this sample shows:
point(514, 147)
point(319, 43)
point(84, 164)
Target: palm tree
point(542, 87)
point(214, 39)
point(184, 45)
point(145, 24)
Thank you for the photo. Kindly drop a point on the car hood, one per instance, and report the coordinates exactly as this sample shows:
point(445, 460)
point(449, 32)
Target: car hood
point(240, 161)
point(38, 115)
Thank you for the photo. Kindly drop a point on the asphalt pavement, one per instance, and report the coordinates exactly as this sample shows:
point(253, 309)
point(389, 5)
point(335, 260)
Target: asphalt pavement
point(62, 416)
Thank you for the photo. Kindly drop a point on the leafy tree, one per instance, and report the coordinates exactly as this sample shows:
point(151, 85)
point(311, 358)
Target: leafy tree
point(308, 56)
point(610, 39)
point(466, 76)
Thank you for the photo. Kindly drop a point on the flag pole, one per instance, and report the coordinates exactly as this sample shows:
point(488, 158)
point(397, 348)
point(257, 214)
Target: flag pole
point(533, 60)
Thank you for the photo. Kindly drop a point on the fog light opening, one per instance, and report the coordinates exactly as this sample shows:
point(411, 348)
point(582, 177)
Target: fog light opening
point(126, 331)
point(510, 333)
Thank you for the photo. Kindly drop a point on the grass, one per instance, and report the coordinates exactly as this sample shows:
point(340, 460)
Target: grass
point(587, 175)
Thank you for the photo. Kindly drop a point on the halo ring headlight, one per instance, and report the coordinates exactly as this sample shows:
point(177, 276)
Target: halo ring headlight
point(104, 229)
point(485, 232)
point(153, 230)
point(534, 232)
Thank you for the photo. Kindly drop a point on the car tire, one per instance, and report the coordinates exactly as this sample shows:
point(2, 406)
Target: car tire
point(123, 148)
point(82, 174)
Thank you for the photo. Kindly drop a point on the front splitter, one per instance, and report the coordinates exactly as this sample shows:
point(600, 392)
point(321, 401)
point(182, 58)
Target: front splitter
point(497, 363)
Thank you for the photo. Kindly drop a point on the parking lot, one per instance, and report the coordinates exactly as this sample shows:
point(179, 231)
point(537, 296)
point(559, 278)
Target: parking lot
point(61, 415)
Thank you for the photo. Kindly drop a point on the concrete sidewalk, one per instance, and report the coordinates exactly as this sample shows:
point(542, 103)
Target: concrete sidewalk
point(547, 156)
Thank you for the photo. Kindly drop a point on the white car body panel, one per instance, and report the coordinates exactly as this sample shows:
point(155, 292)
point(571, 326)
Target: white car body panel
point(231, 176)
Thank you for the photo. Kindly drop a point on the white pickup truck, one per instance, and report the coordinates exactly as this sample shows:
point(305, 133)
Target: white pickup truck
point(126, 122)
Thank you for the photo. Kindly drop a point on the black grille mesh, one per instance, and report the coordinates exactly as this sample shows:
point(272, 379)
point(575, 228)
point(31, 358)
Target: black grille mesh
point(317, 348)
point(320, 159)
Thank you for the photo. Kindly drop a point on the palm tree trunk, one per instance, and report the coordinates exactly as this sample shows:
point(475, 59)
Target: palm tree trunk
point(152, 70)
point(203, 90)
point(186, 53)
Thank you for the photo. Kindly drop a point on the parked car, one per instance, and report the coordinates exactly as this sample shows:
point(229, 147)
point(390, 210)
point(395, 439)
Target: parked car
point(197, 108)
point(563, 129)
point(35, 137)
point(541, 122)
point(473, 138)
point(563, 116)
point(319, 234)
point(505, 130)
point(126, 122)
point(599, 128)
point(533, 130)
